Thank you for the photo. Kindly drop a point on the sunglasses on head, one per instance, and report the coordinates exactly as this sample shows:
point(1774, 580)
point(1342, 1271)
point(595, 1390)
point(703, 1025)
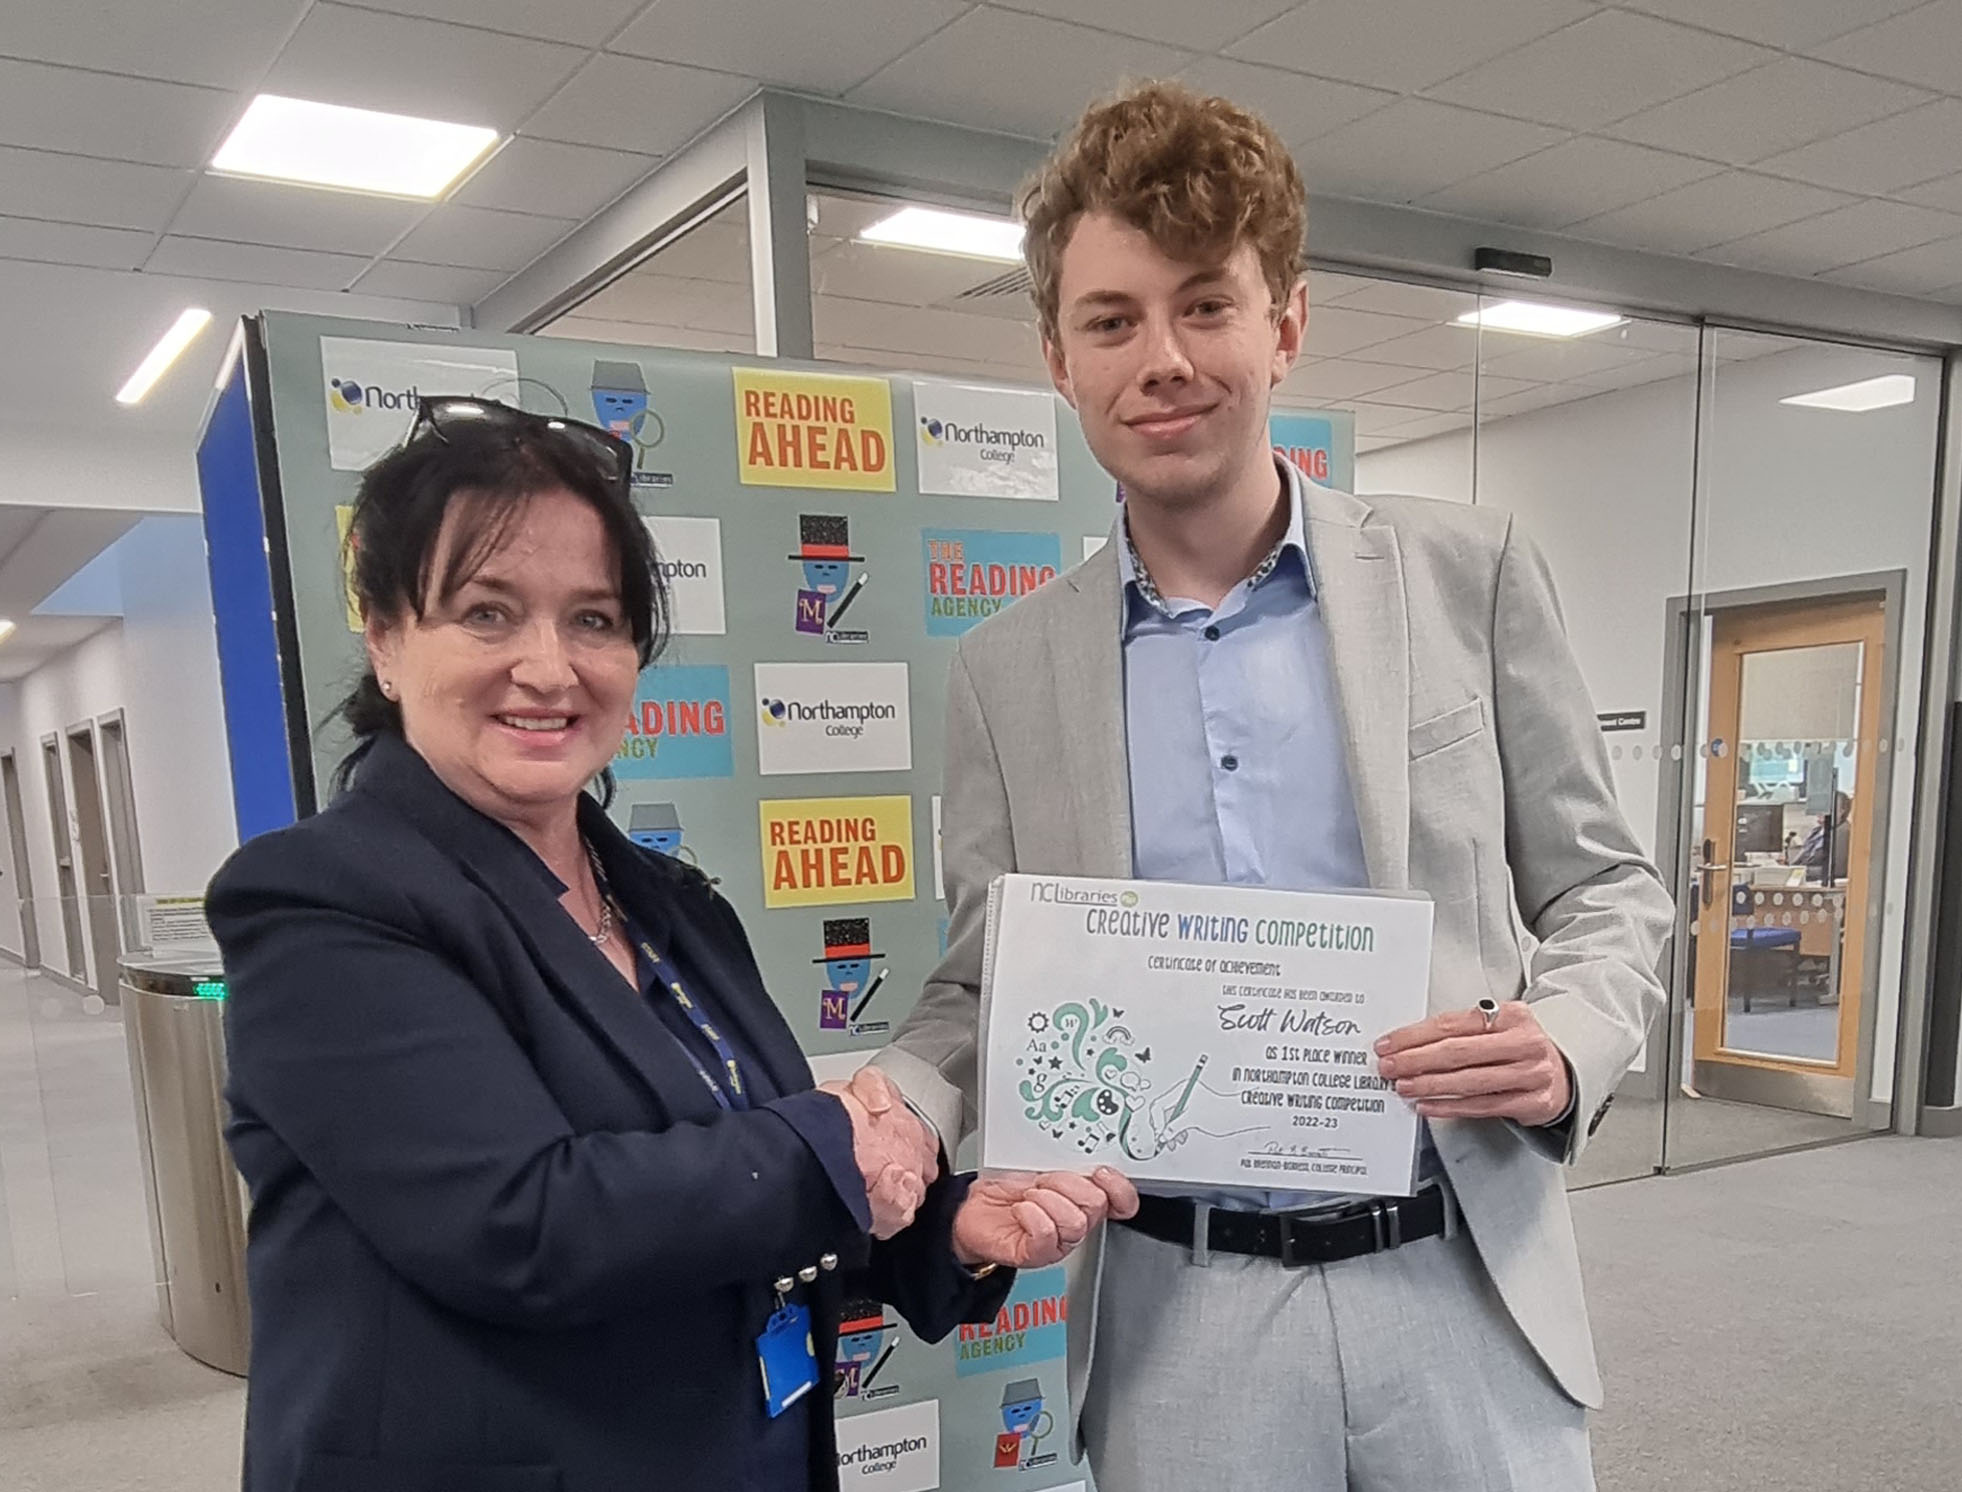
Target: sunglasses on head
point(441, 416)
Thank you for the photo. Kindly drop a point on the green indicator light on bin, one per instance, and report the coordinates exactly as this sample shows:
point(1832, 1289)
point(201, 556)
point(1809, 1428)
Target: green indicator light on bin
point(208, 989)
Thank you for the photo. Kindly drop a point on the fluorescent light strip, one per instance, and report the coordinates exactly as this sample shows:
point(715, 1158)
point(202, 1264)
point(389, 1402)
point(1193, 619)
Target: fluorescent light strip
point(6, 629)
point(356, 150)
point(169, 346)
point(1533, 319)
point(1868, 394)
point(938, 232)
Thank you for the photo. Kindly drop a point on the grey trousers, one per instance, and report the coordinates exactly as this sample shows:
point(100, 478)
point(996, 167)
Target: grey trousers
point(1395, 1372)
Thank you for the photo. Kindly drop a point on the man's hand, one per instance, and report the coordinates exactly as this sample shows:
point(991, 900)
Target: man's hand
point(1452, 1067)
point(1024, 1221)
point(896, 1157)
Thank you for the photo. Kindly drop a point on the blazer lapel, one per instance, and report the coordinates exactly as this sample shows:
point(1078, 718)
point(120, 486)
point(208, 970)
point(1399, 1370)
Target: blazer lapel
point(1359, 587)
point(504, 867)
point(1086, 667)
point(731, 982)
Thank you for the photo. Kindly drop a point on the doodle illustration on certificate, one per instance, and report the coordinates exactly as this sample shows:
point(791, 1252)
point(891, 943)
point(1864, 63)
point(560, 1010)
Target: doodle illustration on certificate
point(1086, 1079)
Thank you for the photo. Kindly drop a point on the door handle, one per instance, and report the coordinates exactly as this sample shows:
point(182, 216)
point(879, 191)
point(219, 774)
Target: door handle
point(1709, 873)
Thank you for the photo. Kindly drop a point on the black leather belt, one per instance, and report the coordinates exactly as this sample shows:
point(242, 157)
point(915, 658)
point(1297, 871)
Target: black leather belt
point(1324, 1236)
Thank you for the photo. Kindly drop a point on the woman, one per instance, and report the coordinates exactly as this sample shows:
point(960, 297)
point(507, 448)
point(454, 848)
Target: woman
point(541, 1192)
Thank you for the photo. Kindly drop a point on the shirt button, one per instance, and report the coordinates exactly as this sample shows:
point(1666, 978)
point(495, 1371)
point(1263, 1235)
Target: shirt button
point(1231, 763)
point(1212, 634)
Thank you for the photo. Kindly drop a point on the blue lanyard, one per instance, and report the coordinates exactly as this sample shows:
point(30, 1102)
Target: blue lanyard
point(736, 1095)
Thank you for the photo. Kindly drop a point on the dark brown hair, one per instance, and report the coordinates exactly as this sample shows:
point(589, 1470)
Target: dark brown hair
point(1198, 175)
point(487, 476)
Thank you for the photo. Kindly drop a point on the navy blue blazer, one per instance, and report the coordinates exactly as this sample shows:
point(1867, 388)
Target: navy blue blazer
point(502, 1237)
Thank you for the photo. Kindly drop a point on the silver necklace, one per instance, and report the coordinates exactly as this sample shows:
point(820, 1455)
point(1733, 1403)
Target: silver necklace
point(599, 939)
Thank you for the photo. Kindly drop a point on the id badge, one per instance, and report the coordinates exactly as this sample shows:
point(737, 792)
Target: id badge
point(788, 1358)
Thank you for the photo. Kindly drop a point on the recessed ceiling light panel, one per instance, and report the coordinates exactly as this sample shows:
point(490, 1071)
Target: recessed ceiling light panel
point(940, 232)
point(354, 150)
point(1536, 319)
point(1860, 398)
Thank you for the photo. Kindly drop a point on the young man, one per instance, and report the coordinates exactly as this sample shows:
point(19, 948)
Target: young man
point(1264, 682)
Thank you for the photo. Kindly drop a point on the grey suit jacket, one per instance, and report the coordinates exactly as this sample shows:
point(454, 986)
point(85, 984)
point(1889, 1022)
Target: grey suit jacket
point(1480, 777)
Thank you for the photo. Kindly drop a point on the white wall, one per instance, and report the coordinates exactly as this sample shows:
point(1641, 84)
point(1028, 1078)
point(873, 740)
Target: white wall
point(1604, 485)
point(158, 665)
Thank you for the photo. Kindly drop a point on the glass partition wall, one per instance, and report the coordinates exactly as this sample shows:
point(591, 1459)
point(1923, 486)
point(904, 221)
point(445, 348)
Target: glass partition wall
point(1740, 545)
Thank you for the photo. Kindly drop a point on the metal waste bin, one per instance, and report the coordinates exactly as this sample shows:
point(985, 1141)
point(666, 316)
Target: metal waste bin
point(173, 1019)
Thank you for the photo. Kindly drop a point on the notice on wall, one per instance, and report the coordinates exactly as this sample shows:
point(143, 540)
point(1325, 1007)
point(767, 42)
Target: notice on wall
point(834, 851)
point(973, 573)
point(890, 1450)
point(372, 389)
point(976, 441)
point(832, 717)
point(688, 553)
point(813, 430)
point(679, 725)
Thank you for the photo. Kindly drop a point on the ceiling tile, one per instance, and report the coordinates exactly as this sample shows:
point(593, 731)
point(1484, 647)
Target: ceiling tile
point(1300, 109)
point(406, 65)
point(436, 282)
point(1677, 364)
point(583, 23)
point(607, 103)
point(1602, 69)
point(79, 189)
point(294, 217)
point(1427, 425)
point(1860, 231)
point(1344, 378)
point(1945, 193)
point(219, 43)
point(1413, 148)
point(821, 48)
point(1917, 271)
point(1445, 348)
point(1922, 46)
point(1884, 156)
point(1792, 24)
point(1177, 23)
point(1789, 103)
point(1579, 179)
point(1525, 401)
point(552, 179)
point(1336, 331)
point(210, 259)
point(1714, 210)
point(1327, 286)
point(1548, 360)
point(866, 271)
point(60, 108)
point(479, 238)
point(1401, 44)
point(73, 243)
point(1395, 298)
point(958, 74)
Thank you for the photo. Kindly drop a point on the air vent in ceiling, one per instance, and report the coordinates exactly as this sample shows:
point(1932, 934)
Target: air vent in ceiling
point(1013, 282)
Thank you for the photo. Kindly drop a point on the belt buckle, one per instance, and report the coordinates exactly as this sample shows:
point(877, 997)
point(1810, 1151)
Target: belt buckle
point(1288, 1259)
point(1388, 1220)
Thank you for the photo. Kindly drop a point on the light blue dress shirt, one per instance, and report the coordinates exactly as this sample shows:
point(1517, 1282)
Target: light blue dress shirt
point(1239, 774)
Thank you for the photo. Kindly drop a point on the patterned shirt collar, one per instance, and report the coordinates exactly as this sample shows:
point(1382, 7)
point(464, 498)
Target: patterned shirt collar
point(1132, 571)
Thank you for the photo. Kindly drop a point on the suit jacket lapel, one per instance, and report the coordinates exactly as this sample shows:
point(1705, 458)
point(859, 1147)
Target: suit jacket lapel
point(505, 868)
point(1086, 667)
point(1359, 587)
point(730, 982)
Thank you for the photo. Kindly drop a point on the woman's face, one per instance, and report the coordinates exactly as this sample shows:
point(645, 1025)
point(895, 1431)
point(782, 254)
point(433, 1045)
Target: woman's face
point(516, 689)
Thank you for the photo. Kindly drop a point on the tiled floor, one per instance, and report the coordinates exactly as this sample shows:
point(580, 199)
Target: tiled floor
point(1782, 1324)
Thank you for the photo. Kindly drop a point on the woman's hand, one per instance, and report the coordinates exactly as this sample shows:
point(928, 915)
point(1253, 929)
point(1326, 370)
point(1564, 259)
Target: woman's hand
point(889, 1145)
point(1021, 1220)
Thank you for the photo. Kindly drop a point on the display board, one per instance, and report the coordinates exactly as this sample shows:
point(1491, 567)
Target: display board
point(828, 534)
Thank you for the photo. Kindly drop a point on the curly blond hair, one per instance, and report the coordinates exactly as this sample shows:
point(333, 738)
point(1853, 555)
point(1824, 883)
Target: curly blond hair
point(1198, 175)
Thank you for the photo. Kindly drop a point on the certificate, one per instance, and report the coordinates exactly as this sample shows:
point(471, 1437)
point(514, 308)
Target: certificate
point(1219, 1036)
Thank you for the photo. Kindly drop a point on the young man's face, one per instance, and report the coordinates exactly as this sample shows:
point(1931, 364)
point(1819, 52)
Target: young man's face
point(1169, 365)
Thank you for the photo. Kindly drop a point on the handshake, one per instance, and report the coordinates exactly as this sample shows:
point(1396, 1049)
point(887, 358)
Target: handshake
point(1018, 1220)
